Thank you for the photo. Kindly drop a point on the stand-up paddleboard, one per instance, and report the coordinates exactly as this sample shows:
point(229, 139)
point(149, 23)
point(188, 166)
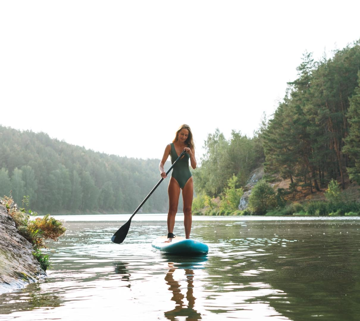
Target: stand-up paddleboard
point(180, 246)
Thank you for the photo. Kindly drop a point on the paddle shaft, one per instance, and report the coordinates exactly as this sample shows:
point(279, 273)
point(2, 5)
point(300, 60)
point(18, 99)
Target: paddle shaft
point(155, 187)
point(121, 233)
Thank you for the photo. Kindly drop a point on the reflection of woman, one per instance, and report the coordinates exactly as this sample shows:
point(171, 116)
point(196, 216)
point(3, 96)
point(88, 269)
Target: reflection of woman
point(121, 268)
point(181, 177)
point(181, 309)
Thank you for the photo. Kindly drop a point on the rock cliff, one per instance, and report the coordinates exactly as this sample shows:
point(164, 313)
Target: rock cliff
point(18, 266)
point(255, 176)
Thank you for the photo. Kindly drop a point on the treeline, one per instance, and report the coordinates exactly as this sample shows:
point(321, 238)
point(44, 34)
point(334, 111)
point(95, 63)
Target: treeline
point(314, 135)
point(56, 177)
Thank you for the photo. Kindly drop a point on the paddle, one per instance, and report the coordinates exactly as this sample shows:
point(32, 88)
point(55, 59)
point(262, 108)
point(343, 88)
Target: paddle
point(121, 233)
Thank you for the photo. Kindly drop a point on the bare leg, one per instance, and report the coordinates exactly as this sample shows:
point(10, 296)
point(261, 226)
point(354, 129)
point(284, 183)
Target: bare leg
point(188, 194)
point(174, 192)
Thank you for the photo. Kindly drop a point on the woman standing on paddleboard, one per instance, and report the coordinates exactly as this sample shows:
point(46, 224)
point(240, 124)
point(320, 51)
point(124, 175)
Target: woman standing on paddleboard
point(181, 178)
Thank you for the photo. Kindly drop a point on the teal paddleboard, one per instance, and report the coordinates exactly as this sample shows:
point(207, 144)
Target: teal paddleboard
point(180, 246)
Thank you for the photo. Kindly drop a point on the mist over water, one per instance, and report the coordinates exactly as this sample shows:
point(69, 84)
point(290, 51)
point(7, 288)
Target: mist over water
point(256, 269)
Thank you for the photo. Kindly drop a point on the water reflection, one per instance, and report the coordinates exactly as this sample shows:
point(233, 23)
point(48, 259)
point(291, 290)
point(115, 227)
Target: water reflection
point(182, 308)
point(31, 298)
point(122, 269)
point(184, 303)
point(183, 262)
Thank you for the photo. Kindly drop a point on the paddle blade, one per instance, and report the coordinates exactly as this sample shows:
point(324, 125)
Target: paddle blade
point(121, 233)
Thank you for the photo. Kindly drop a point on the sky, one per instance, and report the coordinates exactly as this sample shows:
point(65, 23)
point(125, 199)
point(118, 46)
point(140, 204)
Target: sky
point(120, 77)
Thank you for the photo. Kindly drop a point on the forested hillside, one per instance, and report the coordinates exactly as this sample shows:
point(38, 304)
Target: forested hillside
point(61, 178)
point(312, 139)
point(318, 117)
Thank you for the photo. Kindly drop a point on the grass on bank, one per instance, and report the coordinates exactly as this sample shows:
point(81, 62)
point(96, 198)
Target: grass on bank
point(35, 231)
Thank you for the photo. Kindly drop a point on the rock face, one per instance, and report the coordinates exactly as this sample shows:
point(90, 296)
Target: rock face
point(18, 267)
point(255, 176)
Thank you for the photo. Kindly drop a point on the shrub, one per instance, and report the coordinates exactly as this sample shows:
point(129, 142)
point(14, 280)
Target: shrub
point(45, 228)
point(337, 213)
point(199, 202)
point(231, 199)
point(262, 198)
point(333, 193)
point(43, 259)
point(316, 208)
point(352, 214)
point(294, 208)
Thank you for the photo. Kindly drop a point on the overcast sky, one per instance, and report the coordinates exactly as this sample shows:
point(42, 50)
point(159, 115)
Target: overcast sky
point(121, 76)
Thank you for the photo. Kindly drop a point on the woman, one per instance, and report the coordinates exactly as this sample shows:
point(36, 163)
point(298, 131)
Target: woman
point(181, 178)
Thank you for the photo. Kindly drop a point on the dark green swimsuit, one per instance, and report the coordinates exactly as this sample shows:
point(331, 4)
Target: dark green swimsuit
point(181, 171)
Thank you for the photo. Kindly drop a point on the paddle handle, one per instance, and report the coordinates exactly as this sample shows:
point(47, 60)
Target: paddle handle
point(155, 187)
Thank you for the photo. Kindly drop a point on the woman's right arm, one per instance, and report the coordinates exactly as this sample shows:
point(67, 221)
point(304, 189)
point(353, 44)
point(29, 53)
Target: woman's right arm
point(163, 161)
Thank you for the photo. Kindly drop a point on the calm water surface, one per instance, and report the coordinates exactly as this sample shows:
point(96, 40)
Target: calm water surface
point(257, 269)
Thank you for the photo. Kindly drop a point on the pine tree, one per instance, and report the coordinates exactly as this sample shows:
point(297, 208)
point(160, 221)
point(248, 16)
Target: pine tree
point(352, 147)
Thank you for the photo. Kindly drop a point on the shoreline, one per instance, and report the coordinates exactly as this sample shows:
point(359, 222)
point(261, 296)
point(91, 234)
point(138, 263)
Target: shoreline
point(18, 266)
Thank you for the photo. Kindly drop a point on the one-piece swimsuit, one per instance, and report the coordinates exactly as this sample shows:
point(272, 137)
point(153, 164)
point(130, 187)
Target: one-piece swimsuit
point(181, 171)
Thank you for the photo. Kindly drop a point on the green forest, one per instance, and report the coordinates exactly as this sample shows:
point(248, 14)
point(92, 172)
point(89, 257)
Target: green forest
point(56, 177)
point(312, 140)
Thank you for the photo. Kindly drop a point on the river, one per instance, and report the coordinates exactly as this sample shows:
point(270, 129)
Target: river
point(258, 268)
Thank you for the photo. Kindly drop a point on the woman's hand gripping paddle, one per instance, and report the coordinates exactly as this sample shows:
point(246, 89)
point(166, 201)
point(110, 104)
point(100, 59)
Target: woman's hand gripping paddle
point(121, 233)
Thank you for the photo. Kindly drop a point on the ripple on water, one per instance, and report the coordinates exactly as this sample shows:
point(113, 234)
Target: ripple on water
point(254, 271)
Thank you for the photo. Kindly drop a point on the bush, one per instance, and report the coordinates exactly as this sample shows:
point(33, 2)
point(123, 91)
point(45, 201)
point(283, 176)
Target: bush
point(262, 198)
point(333, 193)
point(231, 199)
point(316, 208)
point(199, 202)
point(352, 214)
point(45, 228)
point(43, 259)
point(294, 208)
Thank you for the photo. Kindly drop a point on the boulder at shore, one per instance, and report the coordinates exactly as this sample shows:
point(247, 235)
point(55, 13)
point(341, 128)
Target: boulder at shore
point(18, 266)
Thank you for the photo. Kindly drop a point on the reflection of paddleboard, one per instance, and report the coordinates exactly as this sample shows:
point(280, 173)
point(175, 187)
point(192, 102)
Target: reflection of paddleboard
point(193, 262)
point(180, 246)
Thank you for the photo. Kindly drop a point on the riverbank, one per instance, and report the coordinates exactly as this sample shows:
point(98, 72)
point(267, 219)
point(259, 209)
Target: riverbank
point(18, 266)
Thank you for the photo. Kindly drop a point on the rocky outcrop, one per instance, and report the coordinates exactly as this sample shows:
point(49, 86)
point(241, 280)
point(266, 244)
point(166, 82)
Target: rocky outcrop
point(18, 266)
point(255, 176)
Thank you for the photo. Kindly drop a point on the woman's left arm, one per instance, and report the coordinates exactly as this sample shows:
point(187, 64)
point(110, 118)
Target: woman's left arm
point(191, 153)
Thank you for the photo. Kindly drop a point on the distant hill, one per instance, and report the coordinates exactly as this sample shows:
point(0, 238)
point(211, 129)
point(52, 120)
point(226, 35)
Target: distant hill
point(56, 177)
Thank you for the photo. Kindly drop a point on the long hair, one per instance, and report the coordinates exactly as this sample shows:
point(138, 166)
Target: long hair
point(189, 141)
